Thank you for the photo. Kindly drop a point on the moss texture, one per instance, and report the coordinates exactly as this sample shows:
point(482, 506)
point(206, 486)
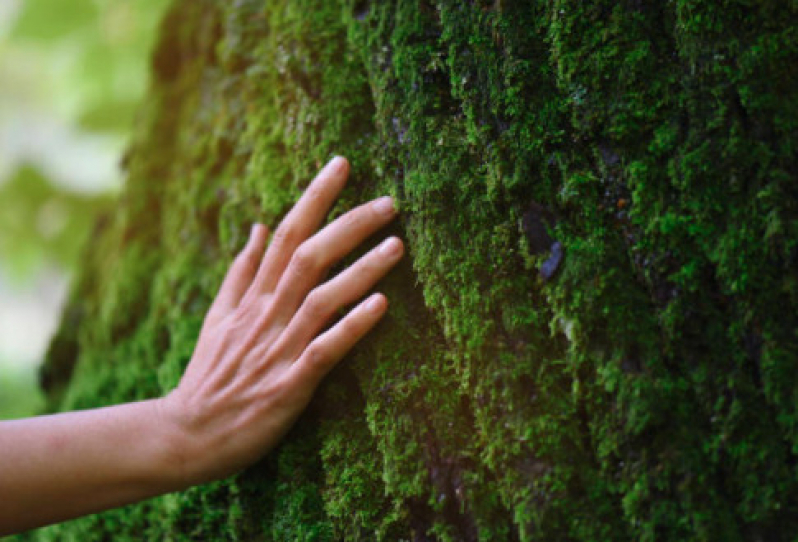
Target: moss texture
point(648, 390)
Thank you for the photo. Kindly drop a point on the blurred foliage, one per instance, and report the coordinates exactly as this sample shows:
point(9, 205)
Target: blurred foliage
point(72, 75)
point(100, 49)
point(72, 71)
point(20, 395)
point(45, 225)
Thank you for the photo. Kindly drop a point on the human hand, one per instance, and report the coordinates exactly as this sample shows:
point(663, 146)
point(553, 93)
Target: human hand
point(260, 356)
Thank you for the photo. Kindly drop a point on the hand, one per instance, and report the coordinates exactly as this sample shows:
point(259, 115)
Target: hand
point(260, 356)
point(258, 360)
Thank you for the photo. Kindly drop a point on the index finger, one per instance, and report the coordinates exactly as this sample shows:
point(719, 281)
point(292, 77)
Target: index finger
point(301, 222)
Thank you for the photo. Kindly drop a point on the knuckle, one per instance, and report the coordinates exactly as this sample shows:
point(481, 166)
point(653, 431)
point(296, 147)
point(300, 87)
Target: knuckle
point(316, 355)
point(247, 261)
point(241, 318)
point(314, 194)
point(352, 219)
point(303, 261)
point(248, 315)
point(368, 266)
point(276, 391)
point(285, 236)
point(350, 327)
point(316, 304)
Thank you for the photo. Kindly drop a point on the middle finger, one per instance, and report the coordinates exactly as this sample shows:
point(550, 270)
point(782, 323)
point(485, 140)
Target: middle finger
point(300, 223)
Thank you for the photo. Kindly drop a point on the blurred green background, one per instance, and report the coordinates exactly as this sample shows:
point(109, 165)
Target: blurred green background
point(71, 75)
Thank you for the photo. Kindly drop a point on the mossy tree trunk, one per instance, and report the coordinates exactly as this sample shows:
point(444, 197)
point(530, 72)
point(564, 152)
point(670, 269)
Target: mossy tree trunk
point(594, 335)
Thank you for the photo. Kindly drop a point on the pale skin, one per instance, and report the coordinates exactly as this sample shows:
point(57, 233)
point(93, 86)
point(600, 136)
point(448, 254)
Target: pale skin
point(261, 353)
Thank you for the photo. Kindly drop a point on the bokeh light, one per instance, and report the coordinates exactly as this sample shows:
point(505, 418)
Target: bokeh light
point(72, 74)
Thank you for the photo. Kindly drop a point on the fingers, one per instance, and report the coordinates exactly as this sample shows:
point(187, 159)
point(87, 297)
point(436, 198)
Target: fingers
point(300, 223)
point(320, 252)
point(344, 289)
point(242, 271)
point(328, 348)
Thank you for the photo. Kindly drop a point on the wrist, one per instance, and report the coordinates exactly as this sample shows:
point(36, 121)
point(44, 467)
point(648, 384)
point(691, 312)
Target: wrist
point(174, 465)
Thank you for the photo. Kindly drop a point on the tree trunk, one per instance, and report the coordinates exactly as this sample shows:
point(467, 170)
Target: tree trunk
point(594, 335)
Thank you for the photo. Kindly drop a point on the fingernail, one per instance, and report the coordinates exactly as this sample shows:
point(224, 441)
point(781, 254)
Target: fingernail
point(384, 205)
point(391, 247)
point(338, 163)
point(374, 304)
point(253, 233)
point(257, 229)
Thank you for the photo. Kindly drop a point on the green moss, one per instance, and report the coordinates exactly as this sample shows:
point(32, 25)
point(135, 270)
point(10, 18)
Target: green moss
point(645, 392)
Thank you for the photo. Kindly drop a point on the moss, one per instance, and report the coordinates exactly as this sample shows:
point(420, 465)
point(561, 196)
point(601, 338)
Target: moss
point(646, 391)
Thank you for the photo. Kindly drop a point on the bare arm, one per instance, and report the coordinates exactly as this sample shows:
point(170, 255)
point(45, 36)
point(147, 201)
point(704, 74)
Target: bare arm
point(66, 465)
point(260, 355)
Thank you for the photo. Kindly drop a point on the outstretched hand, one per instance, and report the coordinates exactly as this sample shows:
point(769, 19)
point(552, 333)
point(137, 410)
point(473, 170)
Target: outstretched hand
point(260, 355)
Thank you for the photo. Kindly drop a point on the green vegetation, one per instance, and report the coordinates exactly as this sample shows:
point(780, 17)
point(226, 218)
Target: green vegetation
point(68, 67)
point(43, 224)
point(20, 392)
point(646, 391)
point(73, 73)
point(88, 58)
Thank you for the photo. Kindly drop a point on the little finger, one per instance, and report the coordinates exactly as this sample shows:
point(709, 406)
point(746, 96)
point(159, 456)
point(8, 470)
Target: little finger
point(328, 348)
point(241, 273)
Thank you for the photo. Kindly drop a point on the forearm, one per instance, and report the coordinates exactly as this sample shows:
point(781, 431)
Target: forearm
point(57, 467)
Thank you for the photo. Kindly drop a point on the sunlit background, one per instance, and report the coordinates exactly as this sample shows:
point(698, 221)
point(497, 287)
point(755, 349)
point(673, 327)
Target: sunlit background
point(72, 73)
